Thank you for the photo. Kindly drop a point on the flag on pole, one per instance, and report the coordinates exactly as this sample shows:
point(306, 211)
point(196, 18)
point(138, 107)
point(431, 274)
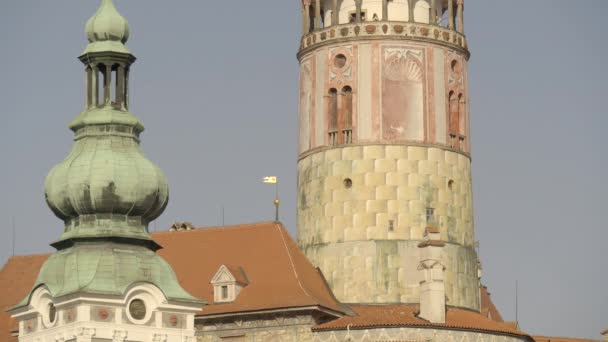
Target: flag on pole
point(270, 180)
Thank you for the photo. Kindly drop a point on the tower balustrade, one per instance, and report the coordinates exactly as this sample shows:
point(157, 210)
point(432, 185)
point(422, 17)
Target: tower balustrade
point(321, 14)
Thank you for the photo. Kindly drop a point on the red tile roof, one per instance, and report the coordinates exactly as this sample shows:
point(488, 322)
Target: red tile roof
point(278, 273)
point(16, 279)
point(386, 316)
point(488, 309)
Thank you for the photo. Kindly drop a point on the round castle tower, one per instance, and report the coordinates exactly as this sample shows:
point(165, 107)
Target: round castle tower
point(384, 147)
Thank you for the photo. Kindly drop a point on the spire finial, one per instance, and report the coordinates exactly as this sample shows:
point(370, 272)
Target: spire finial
point(107, 29)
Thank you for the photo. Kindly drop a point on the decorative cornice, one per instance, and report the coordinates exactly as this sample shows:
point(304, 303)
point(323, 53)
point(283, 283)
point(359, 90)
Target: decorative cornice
point(384, 30)
point(381, 143)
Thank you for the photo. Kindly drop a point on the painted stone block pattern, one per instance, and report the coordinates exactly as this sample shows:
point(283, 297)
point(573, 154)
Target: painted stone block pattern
point(362, 209)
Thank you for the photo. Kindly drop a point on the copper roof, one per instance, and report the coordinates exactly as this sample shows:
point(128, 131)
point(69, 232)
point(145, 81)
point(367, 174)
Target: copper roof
point(386, 316)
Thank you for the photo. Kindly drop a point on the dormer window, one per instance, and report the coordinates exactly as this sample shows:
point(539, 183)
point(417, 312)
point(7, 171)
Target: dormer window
point(227, 283)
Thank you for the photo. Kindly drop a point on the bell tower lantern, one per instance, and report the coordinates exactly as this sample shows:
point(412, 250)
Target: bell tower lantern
point(384, 149)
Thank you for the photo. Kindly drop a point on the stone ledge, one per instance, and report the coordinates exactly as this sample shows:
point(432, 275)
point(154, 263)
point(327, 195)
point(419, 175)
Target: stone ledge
point(384, 30)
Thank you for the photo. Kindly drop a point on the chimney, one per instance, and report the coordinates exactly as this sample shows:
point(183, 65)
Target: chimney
point(432, 287)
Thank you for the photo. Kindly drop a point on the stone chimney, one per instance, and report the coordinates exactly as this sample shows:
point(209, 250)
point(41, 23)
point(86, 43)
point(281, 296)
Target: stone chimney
point(432, 287)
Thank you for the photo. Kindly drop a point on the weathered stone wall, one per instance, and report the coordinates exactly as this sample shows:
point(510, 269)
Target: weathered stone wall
point(364, 237)
point(412, 335)
point(281, 327)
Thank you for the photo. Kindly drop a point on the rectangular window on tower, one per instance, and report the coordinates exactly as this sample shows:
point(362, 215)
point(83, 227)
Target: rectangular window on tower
point(430, 216)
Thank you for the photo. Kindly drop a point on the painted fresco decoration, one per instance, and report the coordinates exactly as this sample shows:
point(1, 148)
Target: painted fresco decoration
point(402, 94)
point(341, 65)
point(305, 107)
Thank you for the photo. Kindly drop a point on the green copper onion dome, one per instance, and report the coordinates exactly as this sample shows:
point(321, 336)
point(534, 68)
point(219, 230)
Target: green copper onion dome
point(106, 187)
point(106, 191)
point(107, 29)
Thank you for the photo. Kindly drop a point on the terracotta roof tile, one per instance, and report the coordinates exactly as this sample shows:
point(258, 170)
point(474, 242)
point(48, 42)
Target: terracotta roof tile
point(278, 273)
point(371, 316)
point(16, 279)
point(488, 308)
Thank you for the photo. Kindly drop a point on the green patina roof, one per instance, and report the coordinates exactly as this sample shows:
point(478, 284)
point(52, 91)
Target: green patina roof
point(106, 191)
point(107, 30)
point(108, 269)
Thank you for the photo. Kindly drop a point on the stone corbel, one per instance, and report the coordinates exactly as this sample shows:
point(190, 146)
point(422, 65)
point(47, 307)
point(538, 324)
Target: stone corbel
point(119, 336)
point(159, 338)
point(84, 334)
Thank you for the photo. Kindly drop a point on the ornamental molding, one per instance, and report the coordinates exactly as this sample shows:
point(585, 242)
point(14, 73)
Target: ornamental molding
point(85, 332)
point(119, 336)
point(159, 338)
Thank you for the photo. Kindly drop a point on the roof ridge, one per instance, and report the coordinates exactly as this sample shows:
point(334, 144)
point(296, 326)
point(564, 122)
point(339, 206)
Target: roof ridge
point(208, 228)
point(279, 227)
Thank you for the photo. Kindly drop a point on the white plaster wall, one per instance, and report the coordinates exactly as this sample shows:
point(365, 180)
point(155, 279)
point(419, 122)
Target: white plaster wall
point(369, 7)
point(421, 12)
point(346, 8)
point(365, 92)
point(440, 96)
point(415, 128)
point(398, 10)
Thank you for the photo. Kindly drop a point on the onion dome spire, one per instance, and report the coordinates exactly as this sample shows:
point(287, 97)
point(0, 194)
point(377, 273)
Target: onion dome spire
point(107, 30)
point(106, 187)
point(106, 191)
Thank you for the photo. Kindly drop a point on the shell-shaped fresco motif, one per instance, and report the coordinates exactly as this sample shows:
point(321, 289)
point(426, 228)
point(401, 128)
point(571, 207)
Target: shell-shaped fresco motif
point(399, 67)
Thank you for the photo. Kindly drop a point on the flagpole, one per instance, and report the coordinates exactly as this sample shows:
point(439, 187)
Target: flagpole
point(274, 180)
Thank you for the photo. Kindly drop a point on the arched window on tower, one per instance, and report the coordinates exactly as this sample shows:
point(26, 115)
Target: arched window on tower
point(332, 116)
point(461, 122)
point(347, 115)
point(454, 121)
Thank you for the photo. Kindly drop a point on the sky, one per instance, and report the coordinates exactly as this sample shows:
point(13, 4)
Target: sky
point(215, 85)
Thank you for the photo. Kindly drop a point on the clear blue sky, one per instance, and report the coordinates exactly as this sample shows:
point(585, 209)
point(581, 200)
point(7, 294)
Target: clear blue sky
point(216, 87)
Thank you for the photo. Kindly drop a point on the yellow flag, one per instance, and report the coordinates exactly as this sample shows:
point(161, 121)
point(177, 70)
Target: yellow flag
point(270, 180)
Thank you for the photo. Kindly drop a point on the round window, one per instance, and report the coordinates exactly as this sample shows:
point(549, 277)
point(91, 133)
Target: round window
point(340, 61)
point(52, 312)
point(137, 309)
